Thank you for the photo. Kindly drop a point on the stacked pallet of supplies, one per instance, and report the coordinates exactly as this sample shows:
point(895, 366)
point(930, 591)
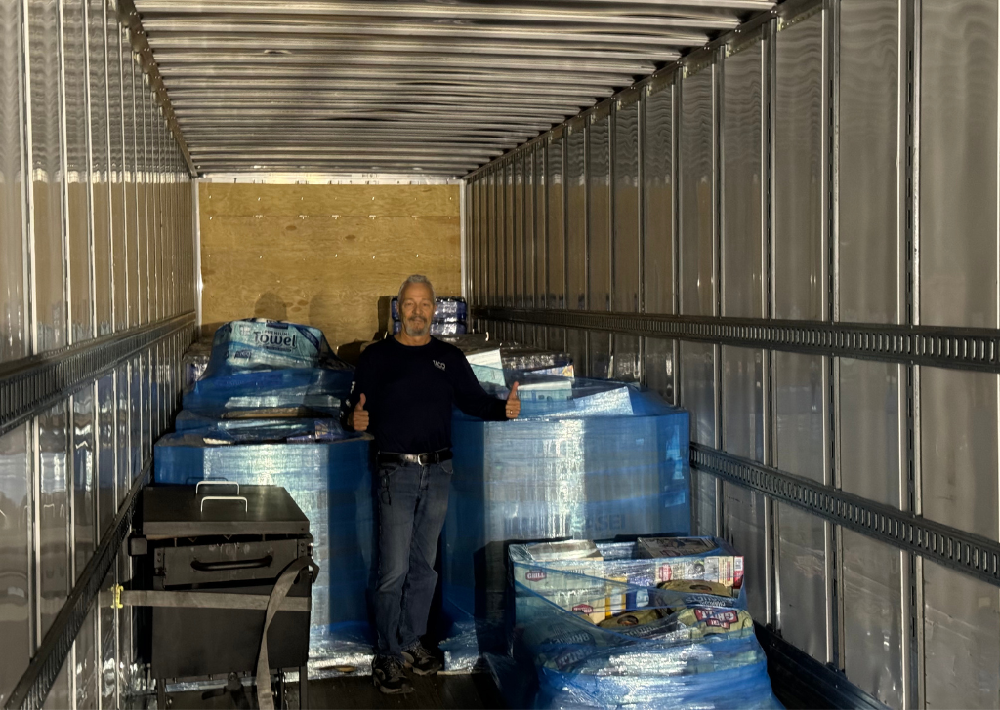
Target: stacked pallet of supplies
point(451, 316)
point(265, 413)
point(659, 622)
point(587, 459)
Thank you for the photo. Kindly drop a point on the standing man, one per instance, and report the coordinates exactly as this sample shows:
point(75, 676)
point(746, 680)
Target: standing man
point(404, 389)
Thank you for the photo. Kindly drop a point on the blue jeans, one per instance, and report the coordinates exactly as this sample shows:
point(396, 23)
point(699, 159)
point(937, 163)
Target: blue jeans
point(412, 502)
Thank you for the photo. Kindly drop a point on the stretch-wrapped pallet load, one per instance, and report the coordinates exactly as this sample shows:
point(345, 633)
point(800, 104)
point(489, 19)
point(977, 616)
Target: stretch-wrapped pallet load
point(327, 471)
point(599, 631)
point(270, 368)
point(588, 459)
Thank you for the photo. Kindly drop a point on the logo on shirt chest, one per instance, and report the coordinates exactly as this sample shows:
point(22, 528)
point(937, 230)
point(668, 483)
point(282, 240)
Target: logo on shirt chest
point(439, 365)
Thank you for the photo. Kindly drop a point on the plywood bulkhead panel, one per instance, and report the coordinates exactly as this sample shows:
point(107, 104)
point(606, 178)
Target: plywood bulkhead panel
point(322, 255)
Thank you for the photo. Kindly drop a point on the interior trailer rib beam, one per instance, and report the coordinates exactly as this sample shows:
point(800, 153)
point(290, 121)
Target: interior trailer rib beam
point(395, 94)
point(253, 135)
point(534, 125)
point(223, 58)
point(294, 144)
point(413, 147)
point(563, 32)
point(446, 171)
point(411, 102)
point(744, 5)
point(454, 153)
point(649, 50)
point(479, 75)
point(195, 87)
point(649, 16)
point(444, 111)
point(290, 123)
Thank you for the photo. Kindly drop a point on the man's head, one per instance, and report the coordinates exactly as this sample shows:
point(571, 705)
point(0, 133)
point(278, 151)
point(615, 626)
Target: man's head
point(416, 304)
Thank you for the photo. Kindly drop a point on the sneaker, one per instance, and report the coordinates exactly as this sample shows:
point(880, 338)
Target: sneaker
point(388, 675)
point(422, 661)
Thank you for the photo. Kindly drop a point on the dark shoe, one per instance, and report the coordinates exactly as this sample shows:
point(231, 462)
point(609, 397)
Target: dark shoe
point(422, 661)
point(388, 675)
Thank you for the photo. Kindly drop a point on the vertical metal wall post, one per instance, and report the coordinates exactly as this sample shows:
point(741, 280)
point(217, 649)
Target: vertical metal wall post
point(831, 143)
point(641, 223)
point(766, 150)
point(916, 563)
point(716, 161)
point(771, 509)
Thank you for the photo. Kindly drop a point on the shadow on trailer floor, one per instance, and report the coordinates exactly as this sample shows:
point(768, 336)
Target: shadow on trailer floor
point(473, 691)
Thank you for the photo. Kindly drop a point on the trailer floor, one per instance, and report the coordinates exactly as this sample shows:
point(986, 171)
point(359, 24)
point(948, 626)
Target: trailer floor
point(473, 691)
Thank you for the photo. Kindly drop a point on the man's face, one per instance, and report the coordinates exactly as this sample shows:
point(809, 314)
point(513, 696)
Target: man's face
point(417, 310)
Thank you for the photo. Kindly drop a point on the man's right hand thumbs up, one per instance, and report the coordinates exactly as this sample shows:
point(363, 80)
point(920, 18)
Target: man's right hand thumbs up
point(358, 420)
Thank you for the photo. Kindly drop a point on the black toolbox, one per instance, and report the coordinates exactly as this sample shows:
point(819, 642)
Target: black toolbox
point(223, 540)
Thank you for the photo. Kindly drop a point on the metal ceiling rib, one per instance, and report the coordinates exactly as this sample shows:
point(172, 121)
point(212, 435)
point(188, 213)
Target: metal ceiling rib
point(428, 87)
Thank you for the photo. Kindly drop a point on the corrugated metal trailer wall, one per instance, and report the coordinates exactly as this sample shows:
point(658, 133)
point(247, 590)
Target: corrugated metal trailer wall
point(96, 300)
point(793, 233)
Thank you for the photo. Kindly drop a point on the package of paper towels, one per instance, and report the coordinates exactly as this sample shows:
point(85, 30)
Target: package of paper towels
point(259, 344)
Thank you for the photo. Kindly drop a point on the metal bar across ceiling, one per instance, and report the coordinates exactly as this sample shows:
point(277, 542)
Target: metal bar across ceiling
point(429, 87)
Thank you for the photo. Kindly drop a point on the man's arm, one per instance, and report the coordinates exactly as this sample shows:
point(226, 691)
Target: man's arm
point(353, 415)
point(472, 399)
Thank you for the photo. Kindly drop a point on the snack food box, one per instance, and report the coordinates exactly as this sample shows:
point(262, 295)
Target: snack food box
point(702, 558)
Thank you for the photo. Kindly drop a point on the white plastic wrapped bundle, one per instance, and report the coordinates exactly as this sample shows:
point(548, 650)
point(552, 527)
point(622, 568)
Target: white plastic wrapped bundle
point(608, 460)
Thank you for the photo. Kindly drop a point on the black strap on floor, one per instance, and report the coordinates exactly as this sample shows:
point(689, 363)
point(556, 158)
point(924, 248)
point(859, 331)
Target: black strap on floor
point(278, 593)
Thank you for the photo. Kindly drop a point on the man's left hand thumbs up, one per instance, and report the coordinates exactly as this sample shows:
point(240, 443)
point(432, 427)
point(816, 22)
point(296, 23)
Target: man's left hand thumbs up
point(513, 403)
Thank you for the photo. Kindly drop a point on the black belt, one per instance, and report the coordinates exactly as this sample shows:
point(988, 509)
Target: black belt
point(422, 459)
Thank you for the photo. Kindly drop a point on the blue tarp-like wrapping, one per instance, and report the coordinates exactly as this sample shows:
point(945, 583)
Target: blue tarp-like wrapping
point(300, 392)
point(259, 365)
point(331, 483)
point(680, 647)
point(589, 459)
point(260, 431)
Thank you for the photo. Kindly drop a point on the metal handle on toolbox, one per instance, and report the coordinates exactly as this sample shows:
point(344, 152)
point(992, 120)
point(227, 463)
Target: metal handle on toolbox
point(227, 565)
point(216, 483)
point(246, 506)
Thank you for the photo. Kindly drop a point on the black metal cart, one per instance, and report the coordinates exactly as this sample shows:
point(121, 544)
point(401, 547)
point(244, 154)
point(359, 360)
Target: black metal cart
point(229, 579)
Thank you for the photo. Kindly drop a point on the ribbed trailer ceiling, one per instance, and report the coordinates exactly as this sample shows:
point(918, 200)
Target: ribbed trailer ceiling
point(428, 87)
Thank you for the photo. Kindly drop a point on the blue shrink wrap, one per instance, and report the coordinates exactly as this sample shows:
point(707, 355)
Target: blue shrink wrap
point(290, 392)
point(588, 459)
point(331, 483)
point(259, 431)
point(600, 634)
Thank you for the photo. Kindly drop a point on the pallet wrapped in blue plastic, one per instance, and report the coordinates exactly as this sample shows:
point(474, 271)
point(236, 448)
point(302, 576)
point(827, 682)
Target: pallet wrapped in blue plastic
point(599, 631)
point(587, 459)
point(328, 473)
point(260, 367)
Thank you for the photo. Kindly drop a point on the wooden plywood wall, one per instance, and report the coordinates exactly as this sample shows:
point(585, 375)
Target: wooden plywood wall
point(323, 254)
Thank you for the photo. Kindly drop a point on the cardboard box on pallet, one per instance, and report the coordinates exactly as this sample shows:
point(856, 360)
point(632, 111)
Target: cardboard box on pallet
point(695, 558)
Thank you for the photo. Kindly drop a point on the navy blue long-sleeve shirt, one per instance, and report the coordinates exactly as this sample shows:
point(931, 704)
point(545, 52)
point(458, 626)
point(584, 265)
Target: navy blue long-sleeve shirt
point(409, 392)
